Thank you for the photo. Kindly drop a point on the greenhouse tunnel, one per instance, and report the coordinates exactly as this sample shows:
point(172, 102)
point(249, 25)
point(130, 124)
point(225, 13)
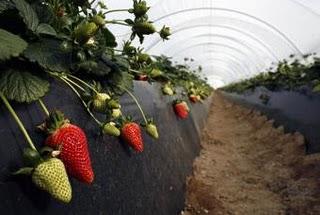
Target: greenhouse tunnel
point(159, 107)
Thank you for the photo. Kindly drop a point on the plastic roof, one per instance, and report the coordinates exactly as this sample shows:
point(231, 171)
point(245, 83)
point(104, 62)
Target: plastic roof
point(231, 39)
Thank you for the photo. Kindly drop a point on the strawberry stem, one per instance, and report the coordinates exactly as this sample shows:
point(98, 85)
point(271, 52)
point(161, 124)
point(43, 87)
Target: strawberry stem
point(43, 107)
point(74, 83)
point(65, 77)
point(117, 10)
point(137, 103)
point(18, 121)
point(117, 23)
point(83, 102)
point(83, 82)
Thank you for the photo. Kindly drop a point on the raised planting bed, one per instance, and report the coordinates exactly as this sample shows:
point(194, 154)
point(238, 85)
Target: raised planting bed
point(152, 182)
point(296, 110)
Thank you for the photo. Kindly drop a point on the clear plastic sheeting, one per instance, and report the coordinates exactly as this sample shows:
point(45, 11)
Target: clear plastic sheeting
point(233, 40)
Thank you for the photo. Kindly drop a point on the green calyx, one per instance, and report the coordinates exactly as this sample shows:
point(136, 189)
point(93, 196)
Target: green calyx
point(31, 157)
point(55, 121)
point(110, 129)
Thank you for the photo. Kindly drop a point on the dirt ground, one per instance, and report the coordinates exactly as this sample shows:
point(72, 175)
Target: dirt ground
point(247, 166)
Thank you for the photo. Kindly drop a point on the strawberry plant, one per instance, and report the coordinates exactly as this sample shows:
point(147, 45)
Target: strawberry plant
point(288, 74)
point(70, 41)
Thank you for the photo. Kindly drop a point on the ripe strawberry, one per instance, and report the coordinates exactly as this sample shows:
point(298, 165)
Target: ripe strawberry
point(131, 134)
point(193, 98)
point(51, 176)
point(186, 105)
point(181, 110)
point(72, 142)
point(142, 77)
point(60, 12)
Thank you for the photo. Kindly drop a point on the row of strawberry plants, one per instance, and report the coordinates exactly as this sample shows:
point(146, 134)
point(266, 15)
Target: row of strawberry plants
point(69, 41)
point(288, 74)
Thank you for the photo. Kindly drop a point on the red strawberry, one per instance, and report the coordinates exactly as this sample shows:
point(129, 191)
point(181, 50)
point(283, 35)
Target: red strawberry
point(181, 110)
point(131, 133)
point(193, 98)
point(72, 142)
point(142, 77)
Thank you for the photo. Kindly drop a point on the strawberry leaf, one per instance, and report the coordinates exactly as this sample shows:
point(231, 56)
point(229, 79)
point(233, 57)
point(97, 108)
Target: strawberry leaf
point(5, 5)
point(110, 39)
point(316, 89)
point(46, 29)
point(11, 45)
point(22, 86)
point(49, 55)
point(27, 13)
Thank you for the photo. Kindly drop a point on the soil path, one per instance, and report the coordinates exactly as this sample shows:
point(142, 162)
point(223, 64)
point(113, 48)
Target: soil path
point(248, 167)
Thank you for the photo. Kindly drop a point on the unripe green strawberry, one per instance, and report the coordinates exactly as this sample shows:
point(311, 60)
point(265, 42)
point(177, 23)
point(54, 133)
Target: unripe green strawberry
point(116, 113)
point(98, 20)
point(144, 28)
point(155, 73)
point(84, 31)
point(142, 58)
point(139, 8)
point(100, 102)
point(165, 33)
point(66, 46)
point(167, 90)
point(52, 177)
point(111, 129)
point(152, 130)
point(113, 104)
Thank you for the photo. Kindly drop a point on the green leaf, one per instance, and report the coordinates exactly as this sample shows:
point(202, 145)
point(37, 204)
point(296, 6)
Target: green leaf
point(49, 55)
point(11, 45)
point(5, 5)
point(316, 89)
point(46, 29)
point(121, 81)
point(24, 171)
point(22, 86)
point(27, 13)
point(109, 38)
point(98, 68)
